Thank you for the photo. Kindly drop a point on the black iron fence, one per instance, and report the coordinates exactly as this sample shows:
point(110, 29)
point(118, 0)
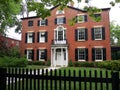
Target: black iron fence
point(24, 79)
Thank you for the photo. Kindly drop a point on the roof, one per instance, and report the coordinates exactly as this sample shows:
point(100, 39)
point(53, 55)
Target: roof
point(68, 7)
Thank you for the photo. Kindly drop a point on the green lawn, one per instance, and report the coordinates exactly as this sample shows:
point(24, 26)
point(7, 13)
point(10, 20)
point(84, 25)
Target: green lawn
point(35, 82)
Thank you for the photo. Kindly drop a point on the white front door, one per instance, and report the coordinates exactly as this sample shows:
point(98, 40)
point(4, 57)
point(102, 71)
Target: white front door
point(59, 57)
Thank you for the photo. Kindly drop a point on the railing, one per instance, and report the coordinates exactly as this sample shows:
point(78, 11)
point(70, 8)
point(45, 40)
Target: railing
point(56, 41)
point(24, 79)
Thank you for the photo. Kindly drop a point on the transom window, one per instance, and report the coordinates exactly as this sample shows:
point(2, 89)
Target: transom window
point(60, 12)
point(98, 54)
point(98, 33)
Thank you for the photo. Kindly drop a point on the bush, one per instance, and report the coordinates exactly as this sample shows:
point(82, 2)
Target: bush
point(6, 61)
point(36, 63)
point(84, 64)
point(70, 64)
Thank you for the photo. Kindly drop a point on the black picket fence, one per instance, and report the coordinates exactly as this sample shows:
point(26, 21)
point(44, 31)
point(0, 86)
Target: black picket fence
point(24, 79)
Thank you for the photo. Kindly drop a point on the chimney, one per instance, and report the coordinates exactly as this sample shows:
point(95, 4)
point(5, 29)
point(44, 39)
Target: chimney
point(72, 4)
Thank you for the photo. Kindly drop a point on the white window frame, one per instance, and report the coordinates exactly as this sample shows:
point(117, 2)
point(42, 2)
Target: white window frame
point(83, 53)
point(60, 12)
point(28, 52)
point(81, 32)
point(42, 22)
point(56, 33)
point(97, 54)
point(60, 20)
point(42, 37)
point(98, 33)
point(29, 37)
point(40, 52)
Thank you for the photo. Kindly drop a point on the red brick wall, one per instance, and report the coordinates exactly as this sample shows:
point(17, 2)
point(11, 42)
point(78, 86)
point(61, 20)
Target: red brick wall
point(70, 33)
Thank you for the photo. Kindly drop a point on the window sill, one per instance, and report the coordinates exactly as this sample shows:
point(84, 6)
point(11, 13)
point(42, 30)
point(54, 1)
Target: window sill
point(82, 60)
point(98, 60)
point(82, 40)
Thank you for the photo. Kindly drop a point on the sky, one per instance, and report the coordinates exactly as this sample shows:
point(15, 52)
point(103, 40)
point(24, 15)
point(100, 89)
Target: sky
point(114, 14)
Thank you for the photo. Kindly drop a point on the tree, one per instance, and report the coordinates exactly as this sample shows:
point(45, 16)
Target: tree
point(9, 9)
point(115, 33)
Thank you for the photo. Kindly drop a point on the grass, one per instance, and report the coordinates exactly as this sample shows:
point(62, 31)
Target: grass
point(48, 82)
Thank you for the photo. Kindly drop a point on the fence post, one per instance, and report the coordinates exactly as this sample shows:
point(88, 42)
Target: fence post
point(115, 81)
point(3, 78)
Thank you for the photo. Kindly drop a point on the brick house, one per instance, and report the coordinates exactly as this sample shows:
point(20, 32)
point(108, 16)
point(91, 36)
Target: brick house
point(9, 42)
point(55, 39)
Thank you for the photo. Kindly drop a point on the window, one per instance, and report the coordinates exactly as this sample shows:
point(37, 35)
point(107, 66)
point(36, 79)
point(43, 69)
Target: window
point(42, 37)
point(60, 35)
point(99, 54)
point(41, 54)
point(81, 34)
point(30, 55)
point(60, 20)
point(81, 18)
point(97, 15)
point(98, 33)
point(42, 22)
point(30, 37)
point(30, 23)
point(60, 12)
point(81, 54)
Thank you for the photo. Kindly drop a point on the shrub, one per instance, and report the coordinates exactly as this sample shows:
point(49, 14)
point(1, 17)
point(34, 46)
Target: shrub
point(6, 61)
point(70, 64)
point(84, 64)
point(36, 63)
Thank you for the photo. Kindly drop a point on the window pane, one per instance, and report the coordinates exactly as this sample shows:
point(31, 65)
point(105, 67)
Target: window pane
point(81, 54)
point(41, 54)
point(98, 33)
point(30, 38)
point(99, 54)
point(60, 20)
point(81, 34)
point(29, 54)
point(30, 23)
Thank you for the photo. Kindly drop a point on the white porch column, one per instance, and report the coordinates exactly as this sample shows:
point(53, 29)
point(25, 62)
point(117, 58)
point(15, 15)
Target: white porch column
point(51, 57)
point(66, 56)
point(62, 57)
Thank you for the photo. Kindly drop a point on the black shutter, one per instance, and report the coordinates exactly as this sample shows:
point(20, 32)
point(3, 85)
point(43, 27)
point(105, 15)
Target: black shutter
point(46, 36)
point(103, 33)
point(76, 35)
point(38, 54)
point(86, 52)
point(76, 54)
point(38, 36)
point(104, 53)
point(92, 33)
point(33, 40)
point(64, 20)
point(46, 22)
point(45, 56)
point(25, 52)
point(85, 18)
point(55, 20)
point(76, 19)
point(38, 23)
point(93, 54)
point(32, 54)
point(26, 37)
point(86, 34)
